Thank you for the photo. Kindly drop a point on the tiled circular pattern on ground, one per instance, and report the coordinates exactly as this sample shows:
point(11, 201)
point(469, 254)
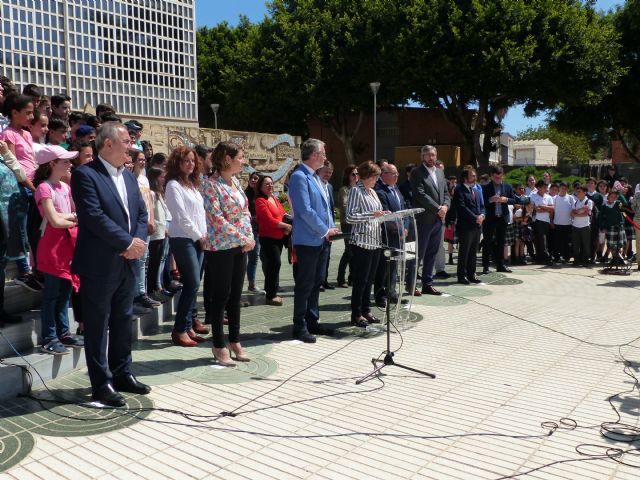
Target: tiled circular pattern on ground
point(467, 291)
point(518, 271)
point(507, 281)
point(14, 447)
point(258, 368)
point(441, 300)
point(74, 420)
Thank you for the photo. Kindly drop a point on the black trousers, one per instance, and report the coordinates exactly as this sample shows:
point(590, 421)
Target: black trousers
point(156, 248)
point(270, 252)
point(581, 243)
point(364, 263)
point(345, 261)
point(468, 241)
point(493, 232)
point(562, 241)
point(107, 328)
point(541, 240)
point(228, 268)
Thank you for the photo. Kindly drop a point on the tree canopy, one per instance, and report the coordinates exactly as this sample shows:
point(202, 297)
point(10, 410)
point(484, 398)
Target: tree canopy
point(573, 147)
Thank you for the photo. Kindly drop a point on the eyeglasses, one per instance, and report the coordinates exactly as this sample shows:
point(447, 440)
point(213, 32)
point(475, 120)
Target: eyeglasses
point(355, 174)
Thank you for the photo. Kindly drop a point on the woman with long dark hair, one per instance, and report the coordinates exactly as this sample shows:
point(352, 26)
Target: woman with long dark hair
point(187, 232)
point(158, 241)
point(228, 239)
point(270, 215)
point(252, 261)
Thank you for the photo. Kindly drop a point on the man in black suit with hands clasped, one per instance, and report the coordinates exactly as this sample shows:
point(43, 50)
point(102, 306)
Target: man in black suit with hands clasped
point(112, 229)
point(497, 196)
point(470, 216)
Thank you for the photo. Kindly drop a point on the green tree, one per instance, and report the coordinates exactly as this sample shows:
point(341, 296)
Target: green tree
point(617, 113)
point(474, 59)
point(573, 147)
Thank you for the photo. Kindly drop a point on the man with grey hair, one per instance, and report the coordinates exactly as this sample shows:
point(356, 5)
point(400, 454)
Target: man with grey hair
point(429, 191)
point(112, 229)
point(313, 228)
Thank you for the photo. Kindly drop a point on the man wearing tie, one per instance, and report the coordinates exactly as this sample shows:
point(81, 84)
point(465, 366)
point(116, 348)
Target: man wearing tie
point(313, 228)
point(392, 201)
point(325, 174)
point(497, 195)
point(112, 226)
point(469, 218)
point(429, 191)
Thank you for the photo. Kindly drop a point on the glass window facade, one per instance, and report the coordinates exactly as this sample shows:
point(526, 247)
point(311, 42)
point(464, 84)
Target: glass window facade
point(138, 55)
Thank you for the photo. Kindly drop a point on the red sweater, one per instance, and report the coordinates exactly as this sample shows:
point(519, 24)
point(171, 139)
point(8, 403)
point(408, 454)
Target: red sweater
point(269, 216)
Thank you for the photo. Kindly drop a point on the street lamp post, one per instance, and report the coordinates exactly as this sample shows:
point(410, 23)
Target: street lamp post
point(375, 86)
point(215, 107)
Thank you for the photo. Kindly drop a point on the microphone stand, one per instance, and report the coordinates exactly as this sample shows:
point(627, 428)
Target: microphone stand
point(388, 357)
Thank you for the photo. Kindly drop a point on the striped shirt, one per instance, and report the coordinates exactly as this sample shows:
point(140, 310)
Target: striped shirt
point(361, 204)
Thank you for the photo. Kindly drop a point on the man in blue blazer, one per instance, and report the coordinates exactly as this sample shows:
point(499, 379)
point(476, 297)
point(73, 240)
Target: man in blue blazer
point(112, 226)
point(467, 201)
point(313, 228)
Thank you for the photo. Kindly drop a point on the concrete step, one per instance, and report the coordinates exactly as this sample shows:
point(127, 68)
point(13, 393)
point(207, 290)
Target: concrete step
point(17, 371)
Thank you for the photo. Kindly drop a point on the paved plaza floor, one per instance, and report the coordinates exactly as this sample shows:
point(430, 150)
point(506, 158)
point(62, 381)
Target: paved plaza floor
point(512, 357)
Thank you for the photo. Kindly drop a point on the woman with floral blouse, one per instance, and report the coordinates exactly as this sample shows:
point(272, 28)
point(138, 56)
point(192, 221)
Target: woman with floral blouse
point(228, 239)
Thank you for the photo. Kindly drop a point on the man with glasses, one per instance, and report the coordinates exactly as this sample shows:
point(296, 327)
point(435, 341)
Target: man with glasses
point(497, 195)
point(392, 201)
point(429, 191)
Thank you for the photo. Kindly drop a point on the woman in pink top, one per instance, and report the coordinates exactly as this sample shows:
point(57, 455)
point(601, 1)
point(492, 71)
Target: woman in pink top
point(19, 110)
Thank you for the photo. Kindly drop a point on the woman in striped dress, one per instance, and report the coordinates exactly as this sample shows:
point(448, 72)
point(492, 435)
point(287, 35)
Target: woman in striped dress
point(363, 206)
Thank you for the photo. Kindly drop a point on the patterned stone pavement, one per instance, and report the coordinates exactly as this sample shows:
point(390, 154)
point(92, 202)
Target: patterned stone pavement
point(524, 348)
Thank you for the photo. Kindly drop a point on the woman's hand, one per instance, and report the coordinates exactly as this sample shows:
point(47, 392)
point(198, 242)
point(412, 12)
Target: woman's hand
point(250, 245)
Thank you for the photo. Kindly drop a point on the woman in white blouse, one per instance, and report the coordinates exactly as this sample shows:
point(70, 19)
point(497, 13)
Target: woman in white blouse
point(186, 234)
point(363, 206)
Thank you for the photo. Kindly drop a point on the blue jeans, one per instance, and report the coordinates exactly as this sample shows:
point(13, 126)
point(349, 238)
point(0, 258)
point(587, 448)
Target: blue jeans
point(54, 310)
point(141, 271)
point(188, 256)
point(252, 260)
point(310, 272)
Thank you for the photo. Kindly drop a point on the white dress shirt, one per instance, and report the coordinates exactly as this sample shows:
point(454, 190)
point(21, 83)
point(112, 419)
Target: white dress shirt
point(188, 219)
point(116, 175)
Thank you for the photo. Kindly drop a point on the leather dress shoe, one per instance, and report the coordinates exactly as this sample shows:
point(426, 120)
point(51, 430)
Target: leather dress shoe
point(416, 292)
point(320, 330)
point(195, 337)
point(328, 286)
point(463, 281)
point(199, 327)
point(182, 342)
point(381, 302)
point(441, 275)
point(475, 280)
point(504, 269)
point(305, 337)
point(370, 318)
point(359, 322)
point(107, 395)
point(486, 271)
point(429, 290)
point(128, 383)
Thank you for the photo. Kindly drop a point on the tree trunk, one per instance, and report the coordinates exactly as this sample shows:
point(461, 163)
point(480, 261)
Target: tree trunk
point(340, 128)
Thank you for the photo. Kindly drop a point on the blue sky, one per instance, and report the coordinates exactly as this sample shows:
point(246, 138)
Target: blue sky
point(212, 12)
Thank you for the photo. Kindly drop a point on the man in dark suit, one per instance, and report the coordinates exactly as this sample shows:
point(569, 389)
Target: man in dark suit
point(497, 196)
point(429, 191)
point(469, 219)
point(325, 174)
point(112, 226)
point(392, 201)
point(313, 228)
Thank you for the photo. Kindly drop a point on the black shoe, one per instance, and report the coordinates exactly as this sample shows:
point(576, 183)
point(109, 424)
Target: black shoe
point(174, 286)
point(322, 289)
point(328, 286)
point(463, 281)
point(359, 322)
point(305, 337)
point(441, 275)
point(381, 302)
point(106, 395)
point(486, 271)
point(28, 281)
point(128, 383)
point(474, 280)
point(321, 330)
point(429, 290)
point(504, 269)
point(8, 318)
point(145, 302)
point(370, 318)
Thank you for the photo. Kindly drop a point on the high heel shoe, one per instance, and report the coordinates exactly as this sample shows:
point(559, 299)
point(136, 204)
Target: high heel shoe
point(222, 357)
point(181, 341)
point(194, 337)
point(240, 356)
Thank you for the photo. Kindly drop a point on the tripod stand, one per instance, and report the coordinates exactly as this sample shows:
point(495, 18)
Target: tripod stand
point(388, 357)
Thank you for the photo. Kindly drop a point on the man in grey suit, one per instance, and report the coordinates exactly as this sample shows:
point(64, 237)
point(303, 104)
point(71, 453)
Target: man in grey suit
point(429, 191)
